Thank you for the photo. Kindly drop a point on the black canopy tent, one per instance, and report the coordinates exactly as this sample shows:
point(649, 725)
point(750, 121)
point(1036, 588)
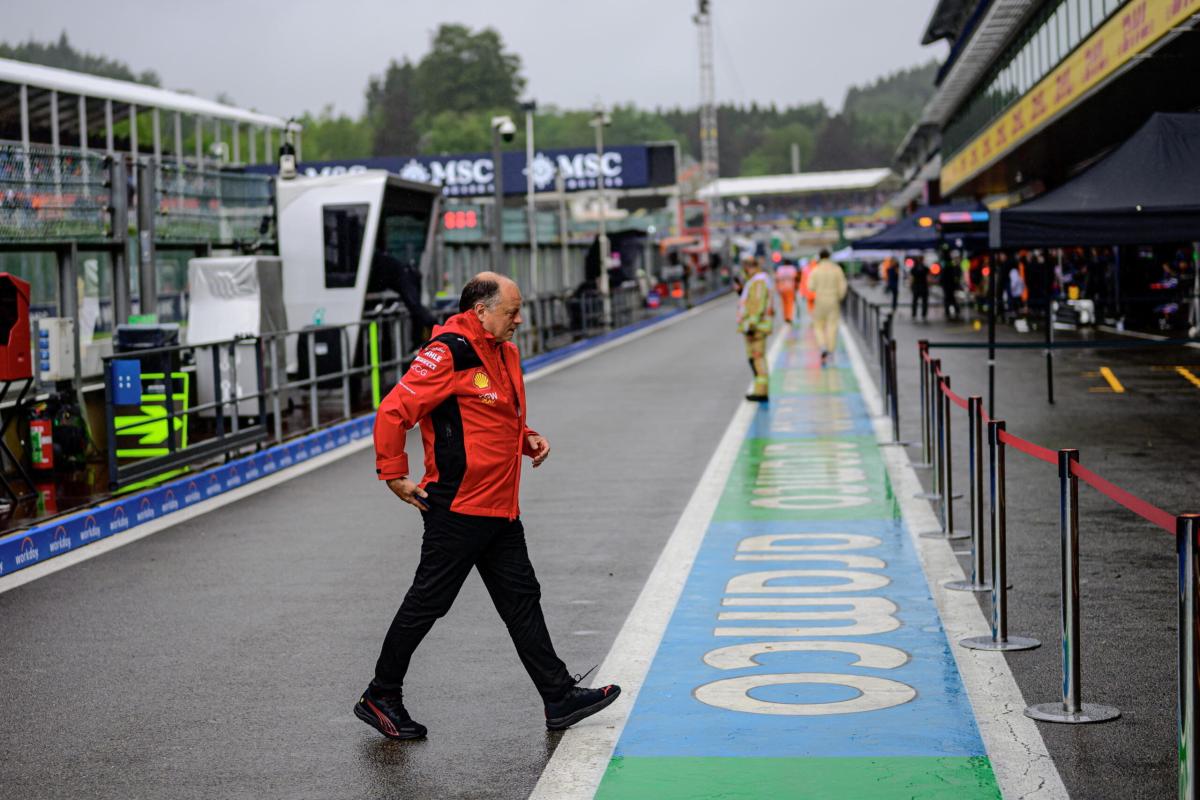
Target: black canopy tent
point(1143, 192)
point(921, 230)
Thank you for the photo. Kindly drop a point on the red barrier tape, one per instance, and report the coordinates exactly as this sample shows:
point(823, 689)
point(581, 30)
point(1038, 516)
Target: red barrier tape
point(958, 401)
point(1135, 504)
point(1029, 448)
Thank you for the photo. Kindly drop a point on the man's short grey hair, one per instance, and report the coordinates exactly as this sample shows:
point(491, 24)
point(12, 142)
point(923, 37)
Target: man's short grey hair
point(479, 290)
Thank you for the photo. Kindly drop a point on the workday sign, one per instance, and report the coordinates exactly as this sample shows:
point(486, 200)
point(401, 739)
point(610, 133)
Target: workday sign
point(474, 175)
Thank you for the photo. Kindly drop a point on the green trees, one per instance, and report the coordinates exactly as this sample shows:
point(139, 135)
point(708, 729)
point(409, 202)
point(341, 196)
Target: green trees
point(442, 103)
point(62, 55)
point(391, 111)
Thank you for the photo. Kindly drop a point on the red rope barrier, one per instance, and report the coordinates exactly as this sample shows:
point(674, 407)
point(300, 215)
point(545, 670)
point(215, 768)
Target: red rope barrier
point(957, 400)
point(1029, 448)
point(1137, 505)
point(1113, 492)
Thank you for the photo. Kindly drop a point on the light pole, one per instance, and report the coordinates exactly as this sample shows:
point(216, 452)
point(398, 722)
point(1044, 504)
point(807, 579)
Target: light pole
point(530, 207)
point(502, 128)
point(598, 121)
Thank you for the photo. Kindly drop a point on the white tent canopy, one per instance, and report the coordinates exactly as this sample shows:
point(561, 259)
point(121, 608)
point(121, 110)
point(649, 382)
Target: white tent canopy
point(798, 183)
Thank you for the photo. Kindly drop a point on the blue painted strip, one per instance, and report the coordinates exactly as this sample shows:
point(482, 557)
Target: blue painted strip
point(28, 547)
point(823, 452)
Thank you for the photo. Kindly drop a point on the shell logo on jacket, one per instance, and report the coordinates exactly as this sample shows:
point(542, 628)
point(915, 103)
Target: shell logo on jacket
point(466, 392)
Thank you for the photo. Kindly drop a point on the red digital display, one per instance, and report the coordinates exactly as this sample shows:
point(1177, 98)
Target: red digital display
point(458, 220)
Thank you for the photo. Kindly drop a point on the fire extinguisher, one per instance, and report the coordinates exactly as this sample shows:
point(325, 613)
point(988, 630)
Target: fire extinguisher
point(41, 438)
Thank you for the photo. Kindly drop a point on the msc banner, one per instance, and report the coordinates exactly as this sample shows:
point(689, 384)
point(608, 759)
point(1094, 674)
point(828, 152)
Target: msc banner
point(473, 175)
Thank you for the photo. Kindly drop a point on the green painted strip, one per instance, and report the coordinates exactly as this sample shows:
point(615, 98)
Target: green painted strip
point(814, 491)
point(374, 327)
point(635, 778)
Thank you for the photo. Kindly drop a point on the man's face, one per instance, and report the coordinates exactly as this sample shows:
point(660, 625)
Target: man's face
point(502, 319)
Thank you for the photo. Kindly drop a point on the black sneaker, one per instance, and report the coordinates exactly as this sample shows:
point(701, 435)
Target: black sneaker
point(579, 704)
point(385, 713)
point(758, 398)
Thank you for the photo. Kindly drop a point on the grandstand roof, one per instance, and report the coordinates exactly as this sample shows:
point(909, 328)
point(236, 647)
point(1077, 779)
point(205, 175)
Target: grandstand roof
point(798, 183)
point(41, 80)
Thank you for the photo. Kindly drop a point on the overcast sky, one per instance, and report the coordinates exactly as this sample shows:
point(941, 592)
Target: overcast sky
point(285, 58)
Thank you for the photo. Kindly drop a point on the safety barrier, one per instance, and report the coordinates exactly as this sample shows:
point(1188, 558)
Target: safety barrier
point(1070, 708)
point(210, 206)
point(52, 195)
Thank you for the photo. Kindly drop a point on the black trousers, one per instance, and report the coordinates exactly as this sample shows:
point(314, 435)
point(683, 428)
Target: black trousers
point(922, 296)
point(453, 544)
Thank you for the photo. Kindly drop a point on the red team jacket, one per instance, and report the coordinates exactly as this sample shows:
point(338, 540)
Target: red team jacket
point(466, 391)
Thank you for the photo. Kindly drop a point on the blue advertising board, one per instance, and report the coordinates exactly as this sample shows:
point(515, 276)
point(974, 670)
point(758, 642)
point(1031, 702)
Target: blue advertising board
point(473, 174)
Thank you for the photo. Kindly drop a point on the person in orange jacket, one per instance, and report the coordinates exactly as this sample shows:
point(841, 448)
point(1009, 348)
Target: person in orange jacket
point(785, 285)
point(805, 292)
point(466, 391)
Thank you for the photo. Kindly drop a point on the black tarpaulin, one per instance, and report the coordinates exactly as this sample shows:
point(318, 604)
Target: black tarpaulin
point(1146, 191)
point(910, 234)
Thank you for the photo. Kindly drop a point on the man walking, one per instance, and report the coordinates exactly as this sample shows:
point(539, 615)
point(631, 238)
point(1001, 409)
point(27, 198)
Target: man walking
point(918, 278)
point(827, 283)
point(466, 391)
point(755, 316)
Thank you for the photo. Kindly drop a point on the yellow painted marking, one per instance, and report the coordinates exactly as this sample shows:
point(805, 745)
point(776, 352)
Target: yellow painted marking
point(1191, 376)
point(1112, 380)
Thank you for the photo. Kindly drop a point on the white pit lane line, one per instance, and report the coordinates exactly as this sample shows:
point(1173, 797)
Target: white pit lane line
point(1019, 758)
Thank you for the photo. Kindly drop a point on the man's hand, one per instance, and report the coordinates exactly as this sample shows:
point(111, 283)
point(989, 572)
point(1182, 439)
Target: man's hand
point(409, 492)
point(541, 449)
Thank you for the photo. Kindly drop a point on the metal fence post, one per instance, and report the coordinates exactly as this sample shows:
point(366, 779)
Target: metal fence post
point(312, 379)
point(1071, 709)
point(894, 393)
point(273, 355)
point(946, 465)
point(923, 404)
point(999, 638)
point(344, 335)
point(935, 423)
point(1187, 547)
point(218, 390)
point(975, 468)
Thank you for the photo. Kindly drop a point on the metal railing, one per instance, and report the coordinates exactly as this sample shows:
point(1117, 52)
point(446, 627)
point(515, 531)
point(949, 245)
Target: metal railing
point(52, 195)
point(207, 206)
point(936, 403)
point(219, 398)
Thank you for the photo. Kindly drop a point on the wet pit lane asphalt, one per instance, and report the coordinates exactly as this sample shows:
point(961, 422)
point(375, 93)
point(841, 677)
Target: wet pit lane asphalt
point(221, 657)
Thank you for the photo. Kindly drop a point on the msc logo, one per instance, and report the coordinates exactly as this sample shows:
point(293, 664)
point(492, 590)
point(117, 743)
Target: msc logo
point(29, 552)
point(269, 464)
point(119, 521)
point(481, 381)
point(253, 471)
point(214, 485)
point(145, 510)
point(90, 530)
point(169, 503)
point(192, 495)
point(61, 540)
point(233, 478)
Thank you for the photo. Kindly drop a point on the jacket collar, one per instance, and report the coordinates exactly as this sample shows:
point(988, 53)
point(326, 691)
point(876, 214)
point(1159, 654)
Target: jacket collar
point(468, 325)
